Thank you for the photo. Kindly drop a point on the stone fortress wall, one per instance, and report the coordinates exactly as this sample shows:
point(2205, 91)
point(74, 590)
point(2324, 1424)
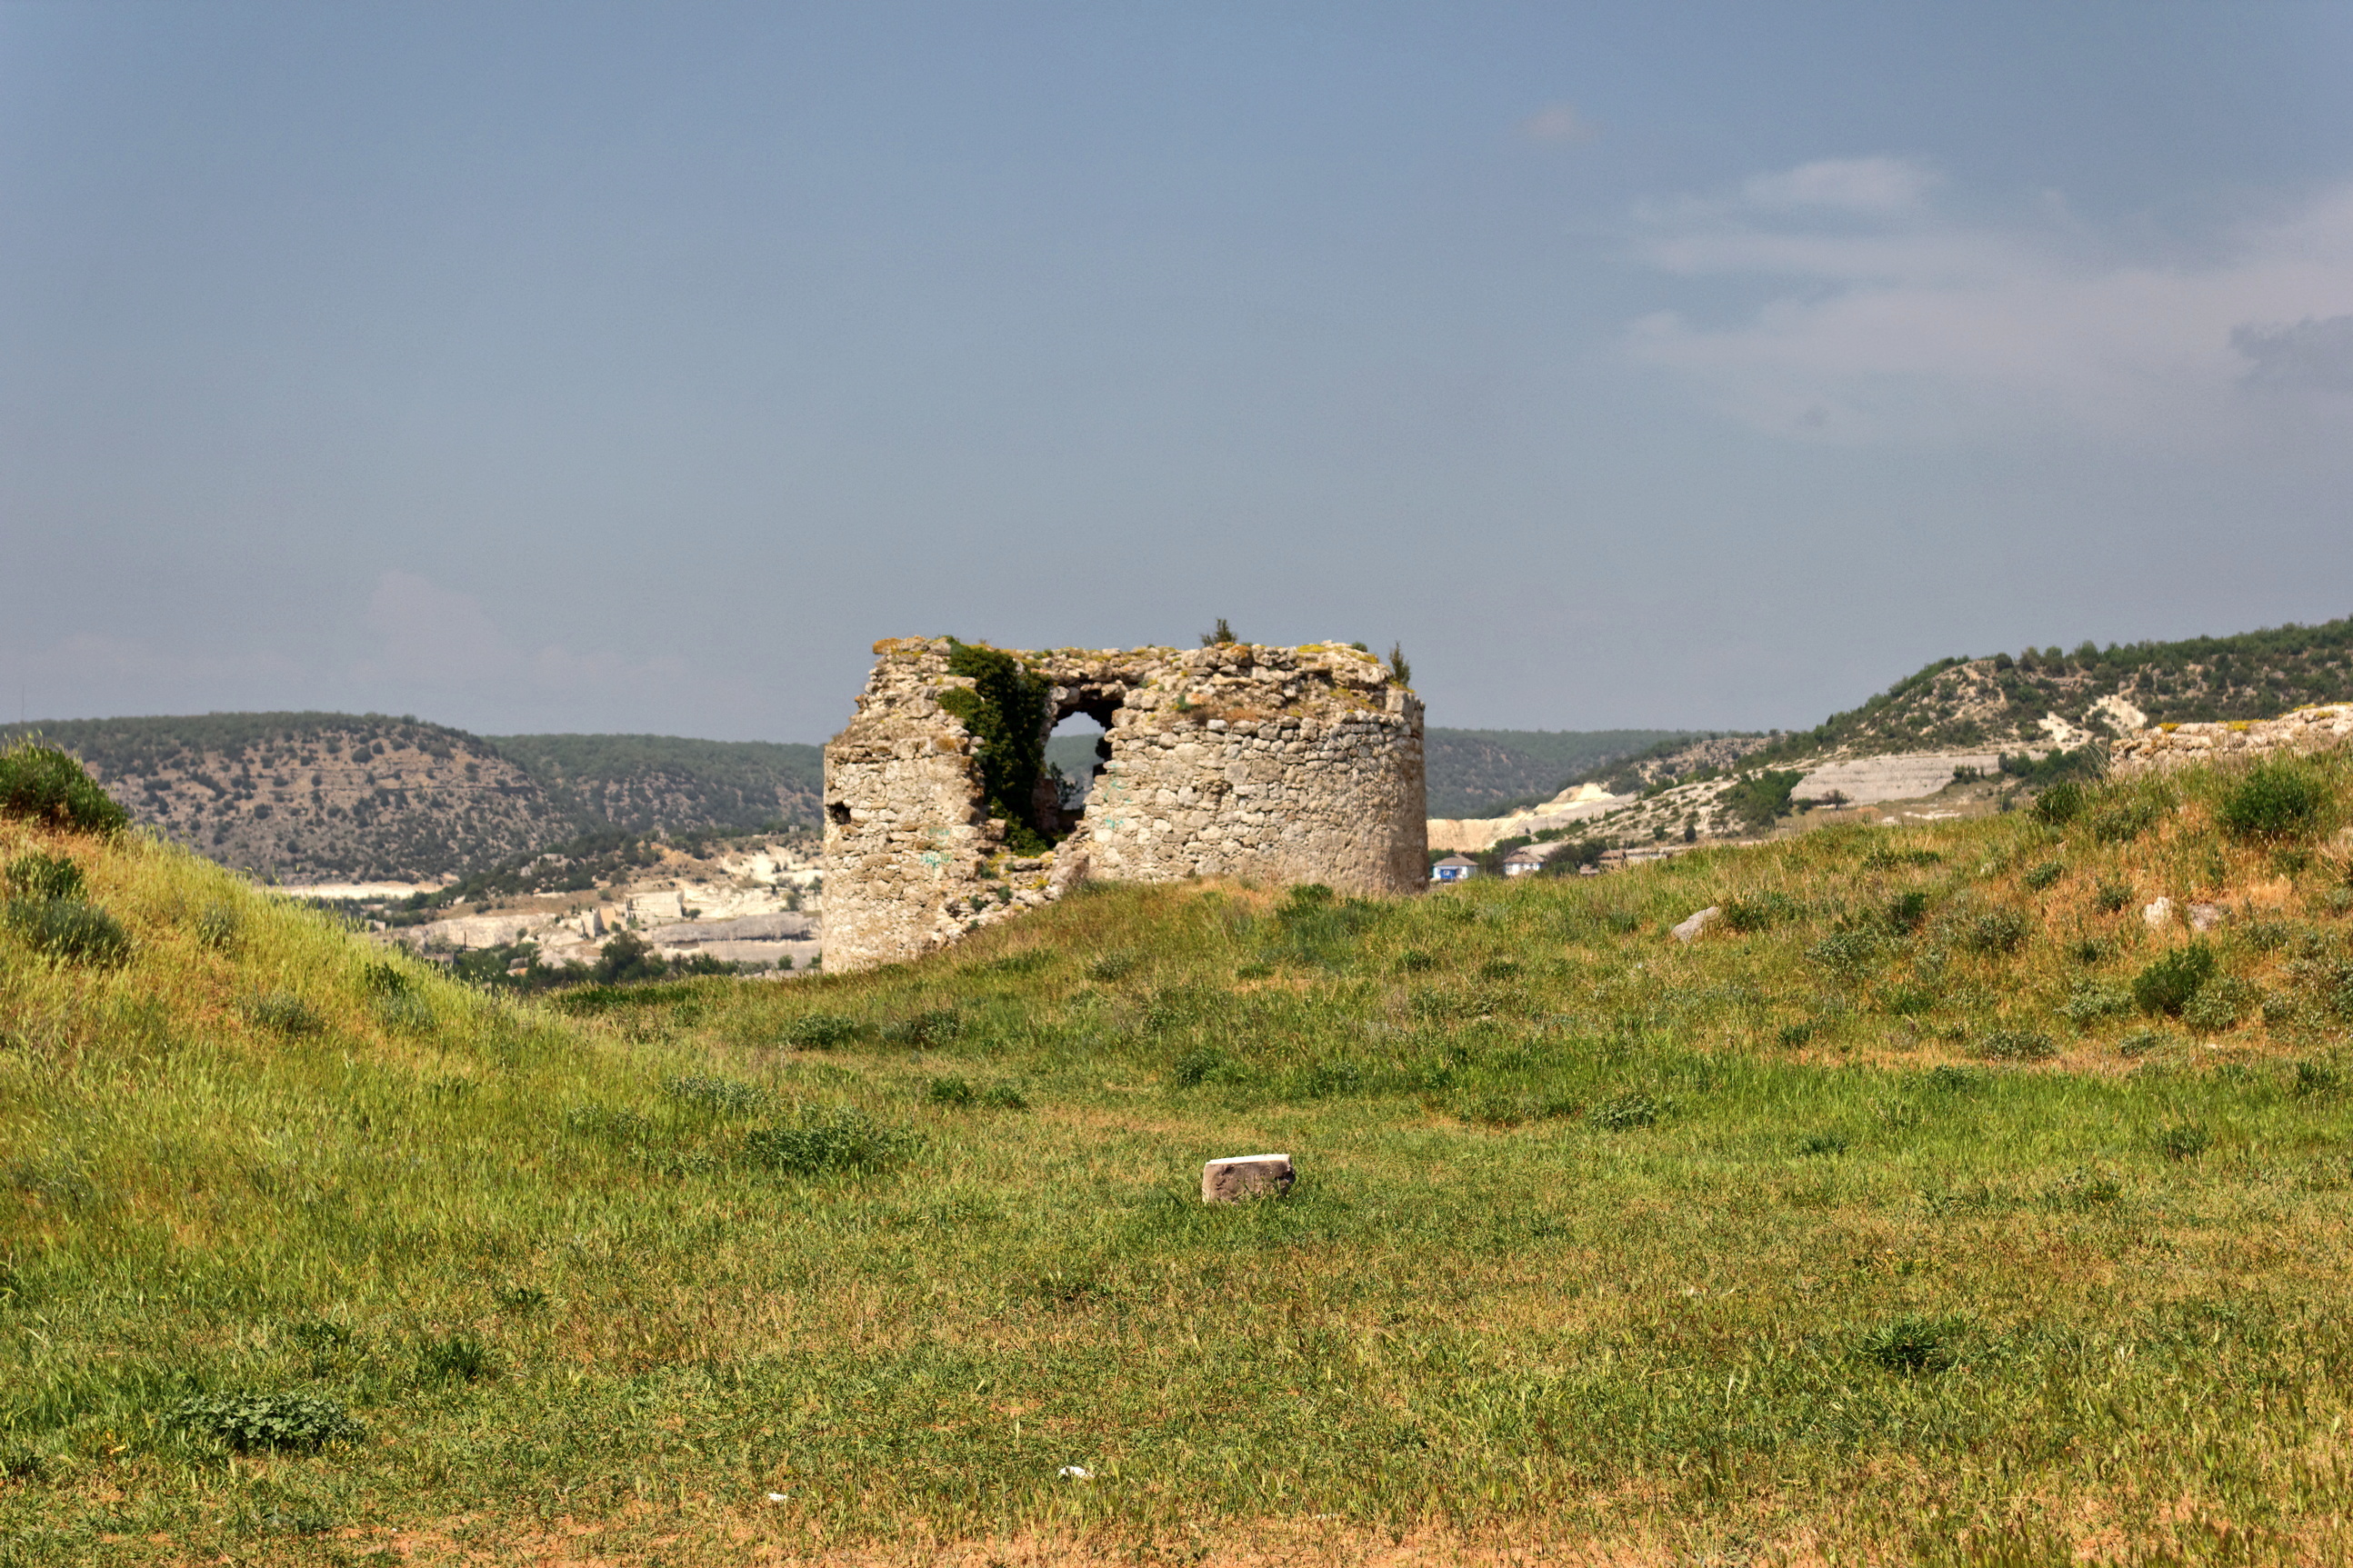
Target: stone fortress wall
point(1277, 765)
point(2178, 745)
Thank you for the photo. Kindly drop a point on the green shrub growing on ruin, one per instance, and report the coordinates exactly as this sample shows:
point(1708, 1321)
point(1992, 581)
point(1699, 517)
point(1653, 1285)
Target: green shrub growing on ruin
point(1004, 710)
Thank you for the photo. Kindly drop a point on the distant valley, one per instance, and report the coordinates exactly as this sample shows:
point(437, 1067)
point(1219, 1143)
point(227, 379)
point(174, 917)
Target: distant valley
point(307, 798)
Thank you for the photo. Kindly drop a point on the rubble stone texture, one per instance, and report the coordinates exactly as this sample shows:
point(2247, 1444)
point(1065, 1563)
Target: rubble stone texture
point(1276, 764)
point(1240, 1176)
point(2179, 745)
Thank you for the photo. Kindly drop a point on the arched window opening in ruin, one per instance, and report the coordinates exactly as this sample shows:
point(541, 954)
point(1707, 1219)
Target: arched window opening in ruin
point(1075, 755)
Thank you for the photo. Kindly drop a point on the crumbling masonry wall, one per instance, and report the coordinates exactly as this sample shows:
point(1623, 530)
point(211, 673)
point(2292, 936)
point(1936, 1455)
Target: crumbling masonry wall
point(1277, 765)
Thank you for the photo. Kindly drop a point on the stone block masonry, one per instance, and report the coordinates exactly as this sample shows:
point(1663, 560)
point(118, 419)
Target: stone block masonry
point(1274, 764)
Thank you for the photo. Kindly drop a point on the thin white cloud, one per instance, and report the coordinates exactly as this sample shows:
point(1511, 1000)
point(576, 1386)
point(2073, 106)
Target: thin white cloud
point(1558, 123)
point(1886, 319)
point(1850, 184)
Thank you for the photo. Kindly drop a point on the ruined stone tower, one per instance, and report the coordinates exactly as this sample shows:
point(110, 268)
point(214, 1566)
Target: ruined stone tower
point(1278, 764)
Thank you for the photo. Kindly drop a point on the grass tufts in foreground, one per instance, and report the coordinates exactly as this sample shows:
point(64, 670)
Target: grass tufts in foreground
point(1902, 1219)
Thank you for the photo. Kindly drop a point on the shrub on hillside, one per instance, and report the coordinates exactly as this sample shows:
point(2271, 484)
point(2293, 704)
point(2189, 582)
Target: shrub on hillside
point(40, 876)
point(1770, 908)
point(2284, 797)
point(47, 785)
point(825, 1143)
point(68, 929)
point(1994, 932)
point(2060, 804)
point(2168, 985)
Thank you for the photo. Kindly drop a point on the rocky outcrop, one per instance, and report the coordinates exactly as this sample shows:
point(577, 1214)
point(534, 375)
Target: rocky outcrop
point(1279, 764)
point(2179, 745)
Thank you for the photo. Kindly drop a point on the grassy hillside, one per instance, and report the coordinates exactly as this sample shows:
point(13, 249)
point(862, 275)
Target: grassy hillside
point(1900, 1218)
point(2001, 701)
point(339, 796)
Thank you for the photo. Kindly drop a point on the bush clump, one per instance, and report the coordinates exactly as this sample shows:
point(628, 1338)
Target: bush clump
point(68, 929)
point(1994, 932)
point(2062, 804)
point(2284, 797)
point(1625, 1111)
point(842, 1141)
point(1759, 913)
point(2016, 1045)
point(256, 1423)
point(2168, 984)
point(40, 876)
point(1909, 1346)
point(822, 1032)
point(47, 785)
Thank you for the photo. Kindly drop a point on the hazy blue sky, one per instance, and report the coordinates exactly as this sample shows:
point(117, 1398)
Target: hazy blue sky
point(634, 367)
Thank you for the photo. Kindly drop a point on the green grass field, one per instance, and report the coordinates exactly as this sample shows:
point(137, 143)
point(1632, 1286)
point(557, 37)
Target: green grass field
point(1886, 1222)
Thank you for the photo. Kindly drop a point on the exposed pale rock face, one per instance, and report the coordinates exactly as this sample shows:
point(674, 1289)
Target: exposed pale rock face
point(2178, 745)
point(1278, 764)
point(1689, 929)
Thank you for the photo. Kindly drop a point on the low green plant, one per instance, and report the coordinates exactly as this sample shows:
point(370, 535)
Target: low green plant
point(822, 1032)
point(2111, 895)
point(1623, 1112)
point(841, 1141)
point(216, 926)
point(2093, 1000)
point(1907, 912)
point(2060, 804)
point(1759, 912)
point(283, 1012)
point(2016, 1045)
point(261, 1423)
point(1107, 967)
point(2168, 982)
point(68, 929)
point(453, 1358)
point(2183, 1141)
point(2042, 876)
point(42, 876)
point(716, 1096)
point(2279, 798)
point(1996, 933)
point(1909, 1346)
point(951, 1092)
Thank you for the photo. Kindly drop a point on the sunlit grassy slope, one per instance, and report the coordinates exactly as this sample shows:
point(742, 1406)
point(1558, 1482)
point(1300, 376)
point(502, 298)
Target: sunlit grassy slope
point(1881, 1223)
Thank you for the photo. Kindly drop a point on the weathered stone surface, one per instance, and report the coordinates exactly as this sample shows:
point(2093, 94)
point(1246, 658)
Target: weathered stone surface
point(1278, 765)
point(2178, 745)
point(1243, 1176)
point(1686, 930)
point(2205, 917)
point(2157, 915)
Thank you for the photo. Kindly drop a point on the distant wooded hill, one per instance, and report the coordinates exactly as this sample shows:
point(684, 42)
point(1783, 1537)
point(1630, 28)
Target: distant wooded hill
point(363, 797)
point(1957, 704)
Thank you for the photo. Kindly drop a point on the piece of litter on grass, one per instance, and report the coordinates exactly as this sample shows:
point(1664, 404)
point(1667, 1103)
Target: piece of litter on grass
point(775, 1497)
point(1075, 1473)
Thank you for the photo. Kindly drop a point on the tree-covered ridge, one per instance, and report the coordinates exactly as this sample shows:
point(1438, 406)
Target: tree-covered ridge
point(1481, 773)
point(1957, 703)
point(363, 797)
point(649, 783)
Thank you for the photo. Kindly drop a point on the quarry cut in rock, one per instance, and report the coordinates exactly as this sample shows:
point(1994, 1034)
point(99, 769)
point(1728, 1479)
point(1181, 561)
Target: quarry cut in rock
point(1275, 764)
